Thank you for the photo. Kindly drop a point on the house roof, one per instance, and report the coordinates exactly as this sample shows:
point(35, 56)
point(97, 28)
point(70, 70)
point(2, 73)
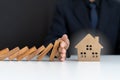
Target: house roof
point(89, 39)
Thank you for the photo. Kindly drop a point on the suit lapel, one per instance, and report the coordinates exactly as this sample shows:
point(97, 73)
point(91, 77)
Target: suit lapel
point(81, 13)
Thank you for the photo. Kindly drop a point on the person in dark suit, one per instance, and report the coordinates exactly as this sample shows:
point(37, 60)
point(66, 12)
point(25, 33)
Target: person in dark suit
point(72, 16)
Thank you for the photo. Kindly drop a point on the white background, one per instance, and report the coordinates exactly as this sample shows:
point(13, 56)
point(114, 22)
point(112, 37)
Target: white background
point(107, 69)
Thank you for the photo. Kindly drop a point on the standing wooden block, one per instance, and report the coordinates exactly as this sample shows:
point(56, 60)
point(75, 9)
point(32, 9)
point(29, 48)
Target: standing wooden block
point(35, 53)
point(28, 52)
point(49, 47)
point(22, 51)
point(10, 53)
point(4, 51)
point(54, 50)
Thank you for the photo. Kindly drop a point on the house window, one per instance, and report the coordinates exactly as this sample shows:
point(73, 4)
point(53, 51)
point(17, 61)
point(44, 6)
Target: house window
point(94, 54)
point(88, 47)
point(83, 54)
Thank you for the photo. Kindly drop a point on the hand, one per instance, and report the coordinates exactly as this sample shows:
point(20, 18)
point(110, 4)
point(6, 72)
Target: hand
point(64, 45)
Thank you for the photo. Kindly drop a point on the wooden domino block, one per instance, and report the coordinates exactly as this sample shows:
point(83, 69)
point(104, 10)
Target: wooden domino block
point(54, 50)
point(23, 50)
point(4, 51)
point(28, 52)
point(35, 53)
point(49, 47)
point(10, 53)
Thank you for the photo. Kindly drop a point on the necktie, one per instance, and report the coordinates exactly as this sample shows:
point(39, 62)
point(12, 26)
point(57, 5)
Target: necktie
point(93, 15)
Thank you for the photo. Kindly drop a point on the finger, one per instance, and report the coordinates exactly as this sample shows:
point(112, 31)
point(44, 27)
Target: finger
point(62, 54)
point(62, 51)
point(63, 44)
point(65, 39)
point(62, 59)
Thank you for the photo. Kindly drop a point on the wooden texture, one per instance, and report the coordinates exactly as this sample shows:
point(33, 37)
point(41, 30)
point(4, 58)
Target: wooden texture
point(89, 48)
point(4, 51)
point(54, 50)
point(49, 47)
point(10, 53)
point(28, 52)
point(40, 49)
point(22, 51)
point(89, 57)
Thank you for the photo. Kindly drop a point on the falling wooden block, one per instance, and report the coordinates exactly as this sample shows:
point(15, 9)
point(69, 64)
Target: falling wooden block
point(89, 48)
point(28, 52)
point(35, 53)
point(54, 50)
point(22, 51)
point(4, 51)
point(49, 47)
point(10, 53)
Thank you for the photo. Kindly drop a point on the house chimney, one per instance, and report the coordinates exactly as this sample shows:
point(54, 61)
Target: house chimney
point(97, 38)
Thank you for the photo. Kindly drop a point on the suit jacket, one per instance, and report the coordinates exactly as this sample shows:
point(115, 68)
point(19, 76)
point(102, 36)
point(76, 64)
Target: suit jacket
point(71, 17)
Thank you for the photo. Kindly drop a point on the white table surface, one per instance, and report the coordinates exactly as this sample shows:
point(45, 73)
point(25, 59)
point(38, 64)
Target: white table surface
point(107, 69)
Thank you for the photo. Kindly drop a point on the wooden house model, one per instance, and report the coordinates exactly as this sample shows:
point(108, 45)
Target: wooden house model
point(89, 48)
